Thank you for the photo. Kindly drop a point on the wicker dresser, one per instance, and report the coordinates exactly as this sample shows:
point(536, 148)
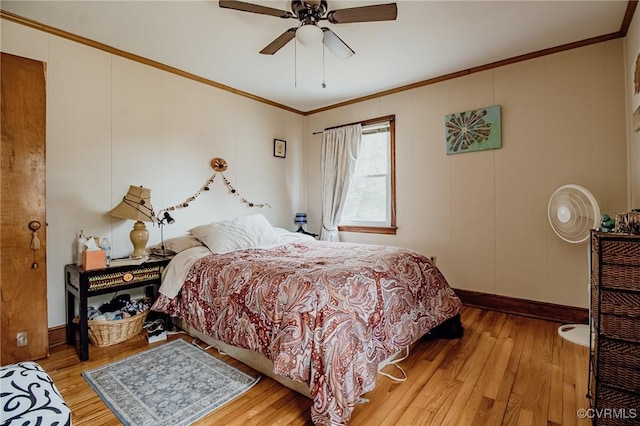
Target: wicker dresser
point(615, 312)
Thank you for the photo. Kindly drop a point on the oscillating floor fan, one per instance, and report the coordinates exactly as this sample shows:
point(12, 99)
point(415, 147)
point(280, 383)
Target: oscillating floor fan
point(573, 212)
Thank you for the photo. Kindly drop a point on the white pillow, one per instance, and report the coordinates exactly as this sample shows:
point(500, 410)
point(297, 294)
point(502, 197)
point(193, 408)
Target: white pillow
point(292, 236)
point(253, 231)
point(179, 244)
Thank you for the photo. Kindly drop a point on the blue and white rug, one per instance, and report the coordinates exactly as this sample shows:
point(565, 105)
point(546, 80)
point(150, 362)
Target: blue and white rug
point(172, 384)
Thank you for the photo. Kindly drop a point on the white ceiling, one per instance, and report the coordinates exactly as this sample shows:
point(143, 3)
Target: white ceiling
point(428, 39)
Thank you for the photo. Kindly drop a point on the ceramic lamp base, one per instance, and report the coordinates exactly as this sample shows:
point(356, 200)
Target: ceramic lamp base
point(139, 237)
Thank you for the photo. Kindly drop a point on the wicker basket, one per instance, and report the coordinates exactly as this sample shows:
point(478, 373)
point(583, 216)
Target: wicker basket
point(107, 333)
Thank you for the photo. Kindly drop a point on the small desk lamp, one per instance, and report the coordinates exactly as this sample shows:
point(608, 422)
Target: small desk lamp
point(166, 218)
point(136, 205)
point(301, 219)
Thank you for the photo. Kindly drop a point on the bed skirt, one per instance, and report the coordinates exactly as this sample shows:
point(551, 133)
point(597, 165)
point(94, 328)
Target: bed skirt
point(450, 329)
point(251, 358)
point(254, 359)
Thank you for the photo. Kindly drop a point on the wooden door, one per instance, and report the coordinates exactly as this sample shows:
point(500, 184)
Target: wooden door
point(23, 270)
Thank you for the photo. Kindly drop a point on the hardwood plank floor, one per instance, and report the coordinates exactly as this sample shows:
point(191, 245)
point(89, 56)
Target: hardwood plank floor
point(507, 369)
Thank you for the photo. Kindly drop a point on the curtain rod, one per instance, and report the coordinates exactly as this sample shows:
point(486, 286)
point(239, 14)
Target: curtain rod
point(364, 123)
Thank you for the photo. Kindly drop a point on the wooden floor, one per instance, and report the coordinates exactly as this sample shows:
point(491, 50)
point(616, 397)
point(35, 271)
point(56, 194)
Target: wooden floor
point(506, 369)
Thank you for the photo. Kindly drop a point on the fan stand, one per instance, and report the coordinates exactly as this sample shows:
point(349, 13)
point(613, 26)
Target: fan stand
point(575, 333)
point(579, 333)
point(567, 203)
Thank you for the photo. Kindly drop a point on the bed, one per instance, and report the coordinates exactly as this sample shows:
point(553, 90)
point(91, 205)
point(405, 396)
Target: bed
point(320, 316)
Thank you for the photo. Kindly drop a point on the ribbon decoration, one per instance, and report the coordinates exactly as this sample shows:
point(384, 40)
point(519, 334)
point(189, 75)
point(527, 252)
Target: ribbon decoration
point(219, 165)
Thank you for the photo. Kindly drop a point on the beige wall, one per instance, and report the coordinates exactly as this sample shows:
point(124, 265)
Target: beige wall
point(484, 214)
point(112, 123)
point(632, 45)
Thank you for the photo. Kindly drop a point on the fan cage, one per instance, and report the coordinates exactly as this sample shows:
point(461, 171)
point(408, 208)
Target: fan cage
point(573, 211)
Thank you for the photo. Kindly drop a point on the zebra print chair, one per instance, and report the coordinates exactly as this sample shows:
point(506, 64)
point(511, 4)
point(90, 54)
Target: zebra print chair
point(28, 397)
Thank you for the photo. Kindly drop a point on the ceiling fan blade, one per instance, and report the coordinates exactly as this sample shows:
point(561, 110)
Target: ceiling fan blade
point(279, 43)
point(336, 45)
point(376, 12)
point(254, 8)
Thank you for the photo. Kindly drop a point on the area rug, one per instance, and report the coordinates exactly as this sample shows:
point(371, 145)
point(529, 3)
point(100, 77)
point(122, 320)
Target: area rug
point(172, 384)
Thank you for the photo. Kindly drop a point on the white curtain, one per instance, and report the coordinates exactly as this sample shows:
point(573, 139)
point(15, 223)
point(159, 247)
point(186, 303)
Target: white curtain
point(340, 148)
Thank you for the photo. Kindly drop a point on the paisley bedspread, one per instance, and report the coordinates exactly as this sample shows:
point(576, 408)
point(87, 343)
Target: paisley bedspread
point(324, 313)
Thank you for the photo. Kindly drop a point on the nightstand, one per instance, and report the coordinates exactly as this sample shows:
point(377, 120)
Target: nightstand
point(82, 285)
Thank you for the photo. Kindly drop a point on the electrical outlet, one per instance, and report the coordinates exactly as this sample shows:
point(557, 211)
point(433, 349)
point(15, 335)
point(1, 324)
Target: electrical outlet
point(21, 338)
point(433, 259)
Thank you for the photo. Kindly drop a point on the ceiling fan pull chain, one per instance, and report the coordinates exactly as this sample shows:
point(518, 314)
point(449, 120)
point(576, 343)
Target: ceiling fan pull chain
point(295, 64)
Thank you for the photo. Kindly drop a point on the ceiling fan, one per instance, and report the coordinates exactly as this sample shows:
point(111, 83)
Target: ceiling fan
point(310, 13)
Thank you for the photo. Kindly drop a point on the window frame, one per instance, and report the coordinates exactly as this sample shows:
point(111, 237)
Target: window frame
point(391, 229)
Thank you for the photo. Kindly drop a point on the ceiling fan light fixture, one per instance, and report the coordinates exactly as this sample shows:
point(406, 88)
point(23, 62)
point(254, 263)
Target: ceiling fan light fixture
point(309, 35)
point(310, 13)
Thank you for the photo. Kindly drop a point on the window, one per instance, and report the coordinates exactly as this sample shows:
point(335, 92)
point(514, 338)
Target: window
point(370, 205)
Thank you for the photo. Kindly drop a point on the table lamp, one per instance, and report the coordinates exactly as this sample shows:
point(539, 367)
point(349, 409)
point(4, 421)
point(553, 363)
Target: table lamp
point(136, 205)
point(301, 219)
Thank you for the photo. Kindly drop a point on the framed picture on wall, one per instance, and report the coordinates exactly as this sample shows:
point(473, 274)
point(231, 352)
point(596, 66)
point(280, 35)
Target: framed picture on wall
point(279, 148)
point(474, 130)
point(635, 83)
point(635, 93)
point(636, 120)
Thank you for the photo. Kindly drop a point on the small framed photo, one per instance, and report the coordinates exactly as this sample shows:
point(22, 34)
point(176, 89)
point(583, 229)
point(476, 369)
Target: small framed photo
point(279, 148)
